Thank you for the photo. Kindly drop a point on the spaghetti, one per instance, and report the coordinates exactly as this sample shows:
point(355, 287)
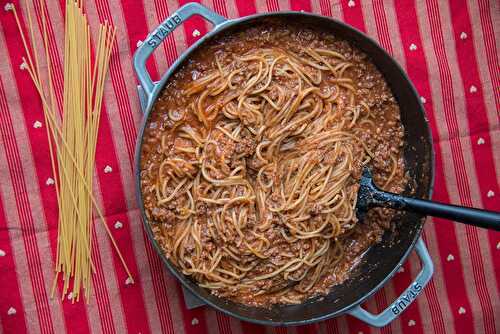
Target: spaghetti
point(250, 168)
point(72, 128)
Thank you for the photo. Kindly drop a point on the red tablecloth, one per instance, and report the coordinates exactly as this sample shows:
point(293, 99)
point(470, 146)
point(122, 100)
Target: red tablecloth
point(450, 51)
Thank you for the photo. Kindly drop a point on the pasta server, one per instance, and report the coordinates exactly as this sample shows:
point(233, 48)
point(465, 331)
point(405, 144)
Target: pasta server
point(369, 195)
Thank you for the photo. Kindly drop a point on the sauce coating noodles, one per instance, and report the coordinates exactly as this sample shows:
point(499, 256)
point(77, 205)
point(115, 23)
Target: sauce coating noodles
point(251, 161)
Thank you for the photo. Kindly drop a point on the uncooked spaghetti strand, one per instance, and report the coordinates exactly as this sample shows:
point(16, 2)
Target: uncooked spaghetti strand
point(51, 121)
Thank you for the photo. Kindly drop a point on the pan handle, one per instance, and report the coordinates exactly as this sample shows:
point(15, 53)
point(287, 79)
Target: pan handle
point(155, 38)
point(405, 299)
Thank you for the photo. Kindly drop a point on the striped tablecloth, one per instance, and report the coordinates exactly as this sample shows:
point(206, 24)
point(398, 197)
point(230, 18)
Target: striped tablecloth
point(448, 48)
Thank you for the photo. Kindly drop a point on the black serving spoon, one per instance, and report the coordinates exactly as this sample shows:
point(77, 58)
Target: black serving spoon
point(370, 195)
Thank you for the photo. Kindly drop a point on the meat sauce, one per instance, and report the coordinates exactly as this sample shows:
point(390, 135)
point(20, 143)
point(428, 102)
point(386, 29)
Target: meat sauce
point(386, 140)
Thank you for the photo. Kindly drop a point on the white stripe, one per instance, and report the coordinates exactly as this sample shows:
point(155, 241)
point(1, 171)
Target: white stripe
point(211, 320)
point(460, 111)
point(284, 5)
point(161, 54)
point(111, 281)
point(369, 19)
point(423, 300)
point(95, 326)
point(394, 36)
point(56, 21)
point(175, 301)
point(231, 8)
point(316, 7)
point(235, 325)
point(336, 8)
point(19, 252)
point(261, 6)
point(33, 191)
point(487, 80)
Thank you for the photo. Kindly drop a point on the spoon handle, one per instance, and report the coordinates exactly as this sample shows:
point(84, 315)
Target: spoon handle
point(465, 215)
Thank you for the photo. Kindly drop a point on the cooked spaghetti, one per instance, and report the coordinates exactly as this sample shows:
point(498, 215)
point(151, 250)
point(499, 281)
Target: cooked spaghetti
point(251, 161)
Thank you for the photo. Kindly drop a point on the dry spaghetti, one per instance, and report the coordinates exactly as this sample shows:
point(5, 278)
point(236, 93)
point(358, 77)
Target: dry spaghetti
point(72, 129)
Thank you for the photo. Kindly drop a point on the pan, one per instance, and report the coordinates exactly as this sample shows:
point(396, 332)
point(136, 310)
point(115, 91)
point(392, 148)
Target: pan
point(382, 260)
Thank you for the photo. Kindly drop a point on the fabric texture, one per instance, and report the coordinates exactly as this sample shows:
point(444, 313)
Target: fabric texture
point(449, 50)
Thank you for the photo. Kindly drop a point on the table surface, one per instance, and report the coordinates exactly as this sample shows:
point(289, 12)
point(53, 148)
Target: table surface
point(448, 48)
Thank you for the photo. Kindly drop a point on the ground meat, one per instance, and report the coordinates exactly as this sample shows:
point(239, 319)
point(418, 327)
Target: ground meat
point(201, 208)
point(260, 230)
point(315, 209)
point(246, 146)
point(162, 214)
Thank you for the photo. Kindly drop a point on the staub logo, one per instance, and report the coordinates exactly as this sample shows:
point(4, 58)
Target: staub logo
point(401, 303)
point(163, 30)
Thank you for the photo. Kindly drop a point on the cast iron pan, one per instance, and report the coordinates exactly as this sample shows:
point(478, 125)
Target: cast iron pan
point(382, 260)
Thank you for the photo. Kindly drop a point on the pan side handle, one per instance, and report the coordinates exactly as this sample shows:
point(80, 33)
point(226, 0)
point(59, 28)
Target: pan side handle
point(156, 37)
point(405, 299)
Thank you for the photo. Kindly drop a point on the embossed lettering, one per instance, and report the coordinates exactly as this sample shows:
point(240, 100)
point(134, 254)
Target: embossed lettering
point(170, 24)
point(164, 30)
point(399, 305)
